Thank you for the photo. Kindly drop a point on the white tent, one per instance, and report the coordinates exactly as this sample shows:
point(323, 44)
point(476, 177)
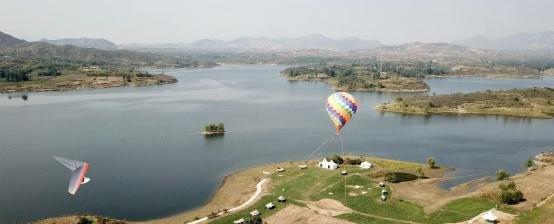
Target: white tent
point(241, 220)
point(489, 217)
point(269, 205)
point(281, 199)
point(255, 213)
point(328, 164)
point(365, 165)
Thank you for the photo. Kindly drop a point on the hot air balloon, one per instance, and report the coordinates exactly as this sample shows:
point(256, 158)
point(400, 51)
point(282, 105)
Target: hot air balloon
point(340, 108)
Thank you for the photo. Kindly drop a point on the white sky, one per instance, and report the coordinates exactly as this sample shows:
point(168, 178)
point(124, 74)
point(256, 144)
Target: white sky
point(156, 21)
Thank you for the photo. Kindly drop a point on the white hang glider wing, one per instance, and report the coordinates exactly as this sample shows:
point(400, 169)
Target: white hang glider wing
point(79, 169)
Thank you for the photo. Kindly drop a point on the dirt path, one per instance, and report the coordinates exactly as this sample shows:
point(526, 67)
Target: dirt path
point(251, 200)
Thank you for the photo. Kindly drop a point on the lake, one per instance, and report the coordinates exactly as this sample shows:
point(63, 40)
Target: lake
point(148, 158)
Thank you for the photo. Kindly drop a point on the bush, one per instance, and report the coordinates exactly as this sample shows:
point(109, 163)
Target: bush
point(431, 163)
point(336, 158)
point(529, 163)
point(420, 173)
point(254, 220)
point(85, 220)
point(350, 161)
point(397, 177)
point(502, 175)
point(509, 193)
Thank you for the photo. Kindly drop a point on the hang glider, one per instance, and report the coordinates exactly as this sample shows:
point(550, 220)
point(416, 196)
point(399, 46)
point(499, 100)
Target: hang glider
point(78, 169)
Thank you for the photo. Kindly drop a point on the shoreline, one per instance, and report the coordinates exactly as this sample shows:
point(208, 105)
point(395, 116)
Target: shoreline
point(329, 82)
point(79, 82)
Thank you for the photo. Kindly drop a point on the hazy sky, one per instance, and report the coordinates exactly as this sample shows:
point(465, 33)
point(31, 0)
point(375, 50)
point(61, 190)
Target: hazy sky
point(390, 21)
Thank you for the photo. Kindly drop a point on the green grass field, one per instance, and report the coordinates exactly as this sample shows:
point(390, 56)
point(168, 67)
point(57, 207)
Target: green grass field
point(542, 214)
point(363, 193)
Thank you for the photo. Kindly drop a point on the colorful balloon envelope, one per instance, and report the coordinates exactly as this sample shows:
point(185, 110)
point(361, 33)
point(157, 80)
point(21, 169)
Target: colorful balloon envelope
point(340, 107)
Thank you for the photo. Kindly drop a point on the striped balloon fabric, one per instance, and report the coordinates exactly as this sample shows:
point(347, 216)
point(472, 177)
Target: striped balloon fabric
point(340, 107)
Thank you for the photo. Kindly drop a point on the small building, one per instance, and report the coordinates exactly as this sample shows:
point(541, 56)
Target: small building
point(489, 217)
point(383, 198)
point(366, 165)
point(302, 166)
point(270, 205)
point(280, 169)
point(239, 221)
point(384, 192)
point(381, 184)
point(281, 199)
point(331, 165)
point(343, 172)
point(254, 213)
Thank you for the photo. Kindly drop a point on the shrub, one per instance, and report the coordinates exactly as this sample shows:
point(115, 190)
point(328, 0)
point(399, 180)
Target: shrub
point(419, 172)
point(509, 193)
point(85, 220)
point(254, 220)
point(502, 175)
point(336, 158)
point(529, 163)
point(431, 163)
point(397, 177)
point(350, 161)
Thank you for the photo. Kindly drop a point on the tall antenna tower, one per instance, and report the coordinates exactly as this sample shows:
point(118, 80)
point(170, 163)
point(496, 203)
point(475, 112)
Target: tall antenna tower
point(380, 66)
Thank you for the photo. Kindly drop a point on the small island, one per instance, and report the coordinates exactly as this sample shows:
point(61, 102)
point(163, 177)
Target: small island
point(214, 129)
point(358, 77)
point(532, 102)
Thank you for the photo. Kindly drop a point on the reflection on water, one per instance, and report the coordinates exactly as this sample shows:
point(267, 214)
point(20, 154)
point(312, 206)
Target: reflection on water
point(24, 97)
point(148, 158)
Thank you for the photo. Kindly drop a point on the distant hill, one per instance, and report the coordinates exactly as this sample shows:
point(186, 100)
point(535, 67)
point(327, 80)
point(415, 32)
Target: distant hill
point(314, 41)
point(522, 41)
point(7, 40)
point(428, 51)
point(101, 44)
point(15, 48)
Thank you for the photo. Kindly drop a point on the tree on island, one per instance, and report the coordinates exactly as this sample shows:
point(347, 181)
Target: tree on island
point(215, 128)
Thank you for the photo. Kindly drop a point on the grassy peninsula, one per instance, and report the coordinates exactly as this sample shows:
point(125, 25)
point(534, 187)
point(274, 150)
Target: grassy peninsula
point(317, 194)
point(359, 77)
point(532, 102)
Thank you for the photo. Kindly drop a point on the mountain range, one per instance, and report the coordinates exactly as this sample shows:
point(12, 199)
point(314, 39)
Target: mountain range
point(313, 41)
point(101, 44)
point(543, 41)
point(40, 50)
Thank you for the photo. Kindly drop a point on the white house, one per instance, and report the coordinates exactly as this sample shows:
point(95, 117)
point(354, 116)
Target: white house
point(365, 165)
point(328, 164)
point(489, 217)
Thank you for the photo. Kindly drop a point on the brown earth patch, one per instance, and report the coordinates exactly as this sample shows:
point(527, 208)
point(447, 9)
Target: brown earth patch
point(301, 215)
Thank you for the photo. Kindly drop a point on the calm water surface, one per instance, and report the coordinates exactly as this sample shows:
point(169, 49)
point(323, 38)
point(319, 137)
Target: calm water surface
point(148, 159)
